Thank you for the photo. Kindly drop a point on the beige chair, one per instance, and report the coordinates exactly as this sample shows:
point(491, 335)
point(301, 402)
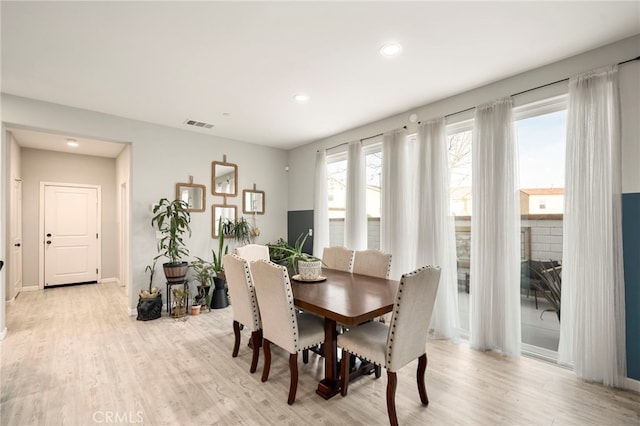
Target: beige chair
point(402, 341)
point(281, 323)
point(245, 305)
point(339, 258)
point(372, 262)
point(253, 252)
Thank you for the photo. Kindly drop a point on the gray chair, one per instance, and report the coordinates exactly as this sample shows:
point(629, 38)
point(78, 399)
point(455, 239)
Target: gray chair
point(338, 258)
point(282, 325)
point(253, 252)
point(372, 262)
point(245, 305)
point(395, 345)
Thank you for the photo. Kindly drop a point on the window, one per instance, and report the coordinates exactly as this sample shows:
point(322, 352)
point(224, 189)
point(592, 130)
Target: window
point(373, 166)
point(541, 132)
point(459, 146)
point(337, 194)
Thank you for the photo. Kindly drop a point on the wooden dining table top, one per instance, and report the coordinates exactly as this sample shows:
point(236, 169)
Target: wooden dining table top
point(347, 298)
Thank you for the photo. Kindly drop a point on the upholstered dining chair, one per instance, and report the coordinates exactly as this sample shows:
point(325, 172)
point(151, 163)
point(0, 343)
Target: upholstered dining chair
point(339, 258)
point(405, 338)
point(282, 324)
point(253, 252)
point(245, 305)
point(372, 262)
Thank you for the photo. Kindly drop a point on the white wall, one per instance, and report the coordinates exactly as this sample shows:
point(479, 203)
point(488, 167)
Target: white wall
point(302, 159)
point(50, 166)
point(160, 157)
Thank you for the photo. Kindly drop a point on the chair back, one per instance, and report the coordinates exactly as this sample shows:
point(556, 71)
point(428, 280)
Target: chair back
point(253, 252)
point(409, 327)
point(275, 297)
point(373, 263)
point(339, 258)
point(240, 283)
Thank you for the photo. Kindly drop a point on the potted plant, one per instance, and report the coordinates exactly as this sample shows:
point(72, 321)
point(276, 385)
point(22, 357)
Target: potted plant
point(150, 301)
point(219, 298)
point(203, 274)
point(179, 304)
point(242, 231)
point(171, 219)
point(309, 267)
point(549, 283)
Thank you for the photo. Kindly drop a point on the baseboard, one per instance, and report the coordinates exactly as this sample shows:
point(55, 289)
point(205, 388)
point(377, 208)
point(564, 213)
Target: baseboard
point(110, 280)
point(31, 288)
point(631, 384)
point(3, 333)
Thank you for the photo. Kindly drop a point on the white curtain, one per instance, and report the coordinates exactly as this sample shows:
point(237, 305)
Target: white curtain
point(495, 231)
point(436, 227)
point(356, 210)
point(592, 333)
point(321, 206)
point(396, 217)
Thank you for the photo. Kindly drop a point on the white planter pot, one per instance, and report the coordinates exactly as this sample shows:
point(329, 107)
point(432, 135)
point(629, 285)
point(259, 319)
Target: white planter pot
point(309, 270)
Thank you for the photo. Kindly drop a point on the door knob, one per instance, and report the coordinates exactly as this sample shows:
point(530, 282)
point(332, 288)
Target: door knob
point(17, 244)
point(48, 242)
point(48, 235)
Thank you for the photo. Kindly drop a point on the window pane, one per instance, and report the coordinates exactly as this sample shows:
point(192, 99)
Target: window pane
point(459, 146)
point(337, 192)
point(541, 144)
point(373, 163)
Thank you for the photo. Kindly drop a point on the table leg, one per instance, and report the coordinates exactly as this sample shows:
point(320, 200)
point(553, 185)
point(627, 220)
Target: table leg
point(330, 385)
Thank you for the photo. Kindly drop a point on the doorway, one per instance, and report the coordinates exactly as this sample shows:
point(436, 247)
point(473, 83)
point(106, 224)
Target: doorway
point(71, 233)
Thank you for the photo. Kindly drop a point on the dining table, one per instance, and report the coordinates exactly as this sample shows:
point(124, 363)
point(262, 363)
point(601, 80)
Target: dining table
point(342, 298)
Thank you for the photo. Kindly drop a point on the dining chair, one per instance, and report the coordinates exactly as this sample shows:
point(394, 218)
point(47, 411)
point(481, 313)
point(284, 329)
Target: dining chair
point(253, 252)
point(339, 258)
point(372, 262)
point(245, 305)
point(405, 338)
point(282, 324)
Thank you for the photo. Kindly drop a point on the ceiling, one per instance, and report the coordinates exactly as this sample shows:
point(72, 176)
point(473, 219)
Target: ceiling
point(237, 65)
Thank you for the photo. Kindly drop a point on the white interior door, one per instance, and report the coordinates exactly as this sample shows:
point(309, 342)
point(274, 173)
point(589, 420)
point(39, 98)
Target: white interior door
point(16, 238)
point(70, 235)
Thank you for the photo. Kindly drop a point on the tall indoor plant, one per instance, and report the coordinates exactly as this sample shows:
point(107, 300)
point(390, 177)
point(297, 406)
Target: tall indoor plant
point(172, 220)
point(219, 296)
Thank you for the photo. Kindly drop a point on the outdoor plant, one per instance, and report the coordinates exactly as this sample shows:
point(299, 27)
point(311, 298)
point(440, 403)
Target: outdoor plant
point(549, 283)
point(172, 219)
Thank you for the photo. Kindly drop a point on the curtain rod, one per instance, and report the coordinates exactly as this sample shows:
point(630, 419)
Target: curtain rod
point(637, 58)
point(361, 140)
point(538, 87)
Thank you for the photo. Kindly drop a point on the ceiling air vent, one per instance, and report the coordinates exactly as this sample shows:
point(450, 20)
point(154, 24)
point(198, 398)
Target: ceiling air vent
point(196, 123)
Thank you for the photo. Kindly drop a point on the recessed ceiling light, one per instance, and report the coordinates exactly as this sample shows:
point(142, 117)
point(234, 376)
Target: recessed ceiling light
point(72, 143)
point(301, 98)
point(391, 49)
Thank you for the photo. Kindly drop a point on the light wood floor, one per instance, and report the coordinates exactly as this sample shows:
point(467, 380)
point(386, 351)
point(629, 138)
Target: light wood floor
point(73, 356)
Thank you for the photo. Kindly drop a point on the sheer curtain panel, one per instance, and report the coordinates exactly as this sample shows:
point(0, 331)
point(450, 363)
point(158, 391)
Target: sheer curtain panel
point(355, 226)
point(436, 226)
point(495, 231)
point(397, 196)
point(321, 206)
point(592, 331)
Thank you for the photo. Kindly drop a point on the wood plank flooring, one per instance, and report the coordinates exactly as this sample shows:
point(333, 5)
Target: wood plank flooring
point(73, 356)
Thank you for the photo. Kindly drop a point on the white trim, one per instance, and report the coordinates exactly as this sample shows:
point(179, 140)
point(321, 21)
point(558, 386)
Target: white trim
point(631, 384)
point(110, 280)
point(98, 189)
point(542, 107)
point(31, 288)
point(459, 127)
point(541, 353)
point(3, 333)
